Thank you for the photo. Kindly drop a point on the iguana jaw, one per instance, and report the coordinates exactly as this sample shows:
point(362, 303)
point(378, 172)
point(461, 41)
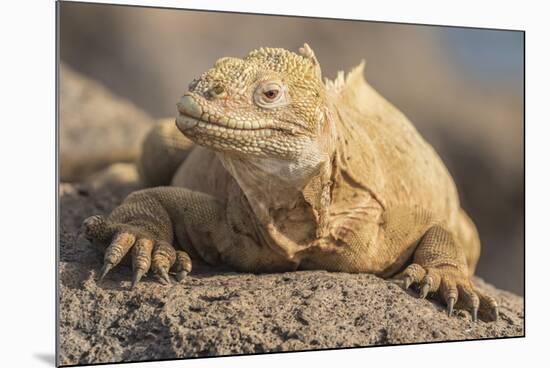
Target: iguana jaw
point(205, 125)
point(192, 113)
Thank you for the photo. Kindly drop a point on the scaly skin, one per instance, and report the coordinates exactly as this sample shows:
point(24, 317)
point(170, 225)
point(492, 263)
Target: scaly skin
point(293, 172)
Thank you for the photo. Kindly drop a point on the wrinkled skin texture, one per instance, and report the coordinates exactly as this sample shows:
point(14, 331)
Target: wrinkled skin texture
point(278, 170)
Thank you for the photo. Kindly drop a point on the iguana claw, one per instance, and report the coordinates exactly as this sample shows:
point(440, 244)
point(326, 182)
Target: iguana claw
point(105, 270)
point(450, 305)
point(474, 314)
point(424, 291)
point(495, 314)
point(407, 282)
point(137, 276)
point(164, 277)
point(180, 276)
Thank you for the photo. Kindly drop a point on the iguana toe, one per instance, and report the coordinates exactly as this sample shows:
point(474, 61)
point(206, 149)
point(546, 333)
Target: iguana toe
point(180, 276)
point(147, 252)
point(141, 258)
point(414, 273)
point(97, 228)
point(470, 299)
point(183, 265)
point(114, 253)
point(454, 287)
point(488, 307)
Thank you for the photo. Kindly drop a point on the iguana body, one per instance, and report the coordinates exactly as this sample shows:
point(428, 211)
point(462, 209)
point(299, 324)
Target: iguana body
point(295, 173)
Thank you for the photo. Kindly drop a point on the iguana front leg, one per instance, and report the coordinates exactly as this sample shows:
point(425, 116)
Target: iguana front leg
point(149, 221)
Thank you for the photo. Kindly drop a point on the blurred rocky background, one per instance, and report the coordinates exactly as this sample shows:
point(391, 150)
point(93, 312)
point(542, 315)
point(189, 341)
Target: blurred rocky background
point(124, 67)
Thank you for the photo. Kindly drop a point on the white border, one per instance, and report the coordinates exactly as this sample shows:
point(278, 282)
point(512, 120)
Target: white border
point(27, 191)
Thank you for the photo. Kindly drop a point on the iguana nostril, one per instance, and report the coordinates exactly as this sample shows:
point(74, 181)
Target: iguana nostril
point(193, 84)
point(218, 91)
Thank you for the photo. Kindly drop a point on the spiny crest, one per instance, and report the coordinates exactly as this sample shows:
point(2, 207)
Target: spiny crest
point(351, 80)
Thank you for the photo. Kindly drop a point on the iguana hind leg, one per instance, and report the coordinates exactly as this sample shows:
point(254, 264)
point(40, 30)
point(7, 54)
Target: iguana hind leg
point(440, 266)
point(386, 245)
point(468, 237)
point(164, 150)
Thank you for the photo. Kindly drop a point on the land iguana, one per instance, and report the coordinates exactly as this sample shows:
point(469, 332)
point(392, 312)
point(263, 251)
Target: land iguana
point(270, 168)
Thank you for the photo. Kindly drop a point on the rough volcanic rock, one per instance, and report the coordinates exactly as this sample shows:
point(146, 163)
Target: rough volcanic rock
point(218, 312)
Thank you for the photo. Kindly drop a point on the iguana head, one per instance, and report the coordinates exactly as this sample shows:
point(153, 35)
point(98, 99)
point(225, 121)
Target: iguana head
point(269, 104)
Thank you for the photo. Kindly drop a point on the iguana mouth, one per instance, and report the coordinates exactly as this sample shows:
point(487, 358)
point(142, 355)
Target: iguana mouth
point(186, 123)
point(192, 115)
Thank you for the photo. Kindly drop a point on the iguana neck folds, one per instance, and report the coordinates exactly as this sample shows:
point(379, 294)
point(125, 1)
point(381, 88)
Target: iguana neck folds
point(284, 193)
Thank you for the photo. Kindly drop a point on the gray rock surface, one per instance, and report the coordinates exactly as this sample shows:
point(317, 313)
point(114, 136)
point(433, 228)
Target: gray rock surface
point(97, 128)
point(218, 312)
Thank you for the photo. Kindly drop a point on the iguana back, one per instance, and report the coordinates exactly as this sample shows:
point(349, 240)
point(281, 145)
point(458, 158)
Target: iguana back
point(380, 150)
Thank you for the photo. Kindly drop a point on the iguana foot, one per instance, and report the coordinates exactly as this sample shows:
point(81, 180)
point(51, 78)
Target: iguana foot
point(453, 287)
point(147, 252)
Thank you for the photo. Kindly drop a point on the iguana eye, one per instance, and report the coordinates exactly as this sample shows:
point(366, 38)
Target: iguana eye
point(270, 94)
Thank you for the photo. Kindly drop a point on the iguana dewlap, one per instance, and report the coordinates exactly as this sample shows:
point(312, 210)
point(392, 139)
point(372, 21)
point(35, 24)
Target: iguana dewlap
point(293, 172)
